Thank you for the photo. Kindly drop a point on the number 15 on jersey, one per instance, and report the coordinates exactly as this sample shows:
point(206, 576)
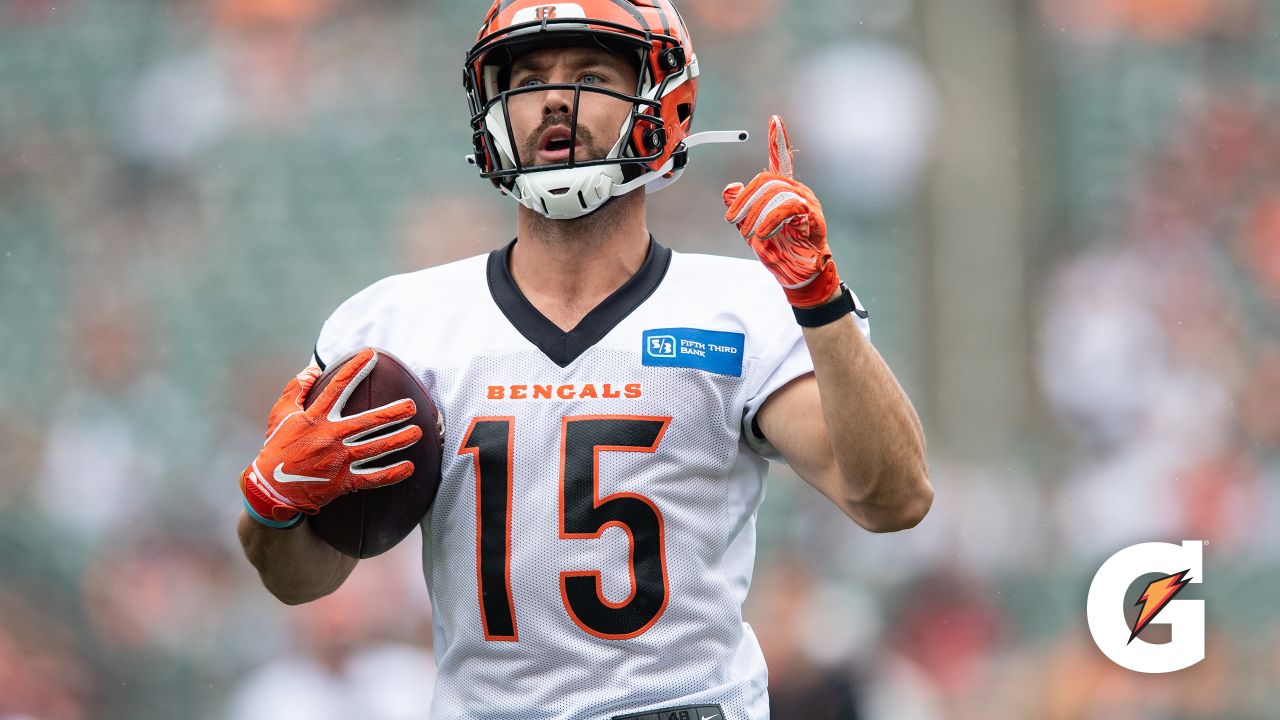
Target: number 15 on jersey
point(583, 514)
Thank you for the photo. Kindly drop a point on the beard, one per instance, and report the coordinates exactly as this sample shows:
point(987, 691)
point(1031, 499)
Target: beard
point(588, 151)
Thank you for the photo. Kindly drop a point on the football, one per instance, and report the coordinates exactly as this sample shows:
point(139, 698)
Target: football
point(370, 522)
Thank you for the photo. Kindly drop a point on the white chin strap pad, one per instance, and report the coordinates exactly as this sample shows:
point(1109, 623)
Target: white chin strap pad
point(568, 193)
point(574, 192)
point(571, 193)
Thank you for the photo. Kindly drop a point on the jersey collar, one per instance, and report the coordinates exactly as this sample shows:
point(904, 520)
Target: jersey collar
point(563, 347)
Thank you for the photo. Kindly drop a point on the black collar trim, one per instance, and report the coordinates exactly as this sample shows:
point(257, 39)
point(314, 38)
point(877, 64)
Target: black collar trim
point(563, 347)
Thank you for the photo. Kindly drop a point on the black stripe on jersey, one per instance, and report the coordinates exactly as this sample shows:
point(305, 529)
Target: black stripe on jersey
point(563, 347)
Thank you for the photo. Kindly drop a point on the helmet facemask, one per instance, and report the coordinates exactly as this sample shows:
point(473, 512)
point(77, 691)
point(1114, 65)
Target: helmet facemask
point(650, 149)
point(594, 166)
point(576, 186)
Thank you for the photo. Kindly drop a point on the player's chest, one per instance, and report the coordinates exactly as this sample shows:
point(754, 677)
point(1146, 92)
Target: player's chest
point(517, 410)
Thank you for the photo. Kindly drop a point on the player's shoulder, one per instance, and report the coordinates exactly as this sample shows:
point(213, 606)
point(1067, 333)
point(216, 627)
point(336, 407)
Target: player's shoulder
point(747, 269)
point(743, 284)
point(728, 294)
point(376, 312)
point(736, 281)
point(732, 274)
point(449, 280)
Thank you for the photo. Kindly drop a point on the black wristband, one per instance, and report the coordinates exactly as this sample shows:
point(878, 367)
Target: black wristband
point(828, 312)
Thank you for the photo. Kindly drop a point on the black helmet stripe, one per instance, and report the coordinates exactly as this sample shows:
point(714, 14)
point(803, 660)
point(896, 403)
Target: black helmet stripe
point(629, 7)
point(662, 13)
point(624, 4)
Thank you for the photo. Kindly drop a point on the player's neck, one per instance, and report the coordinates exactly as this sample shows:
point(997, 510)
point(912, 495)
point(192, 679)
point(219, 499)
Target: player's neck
point(567, 267)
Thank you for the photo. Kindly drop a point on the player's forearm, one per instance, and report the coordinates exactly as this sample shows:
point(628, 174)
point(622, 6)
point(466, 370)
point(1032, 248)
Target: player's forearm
point(875, 433)
point(295, 564)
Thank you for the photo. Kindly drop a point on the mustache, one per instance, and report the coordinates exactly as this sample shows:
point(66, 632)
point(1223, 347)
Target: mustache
point(584, 136)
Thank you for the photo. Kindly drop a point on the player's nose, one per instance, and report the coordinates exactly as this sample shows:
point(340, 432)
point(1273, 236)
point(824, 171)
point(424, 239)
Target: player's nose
point(558, 101)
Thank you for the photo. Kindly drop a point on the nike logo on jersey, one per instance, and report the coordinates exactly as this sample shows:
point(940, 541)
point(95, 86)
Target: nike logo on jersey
point(283, 477)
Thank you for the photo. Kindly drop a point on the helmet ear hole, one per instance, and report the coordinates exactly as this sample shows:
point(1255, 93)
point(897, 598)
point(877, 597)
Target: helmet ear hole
point(684, 112)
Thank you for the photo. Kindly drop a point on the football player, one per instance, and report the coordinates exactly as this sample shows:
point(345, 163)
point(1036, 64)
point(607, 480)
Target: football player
point(610, 403)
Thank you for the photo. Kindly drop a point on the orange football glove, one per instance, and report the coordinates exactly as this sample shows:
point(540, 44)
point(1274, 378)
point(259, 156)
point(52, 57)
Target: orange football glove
point(296, 391)
point(313, 455)
point(782, 221)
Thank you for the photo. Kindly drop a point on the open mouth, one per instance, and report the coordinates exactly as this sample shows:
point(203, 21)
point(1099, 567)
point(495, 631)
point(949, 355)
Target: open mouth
point(555, 138)
point(554, 145)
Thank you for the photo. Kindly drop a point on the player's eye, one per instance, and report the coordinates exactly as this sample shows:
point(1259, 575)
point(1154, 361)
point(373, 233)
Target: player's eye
point(591, 79)
point(530, 82)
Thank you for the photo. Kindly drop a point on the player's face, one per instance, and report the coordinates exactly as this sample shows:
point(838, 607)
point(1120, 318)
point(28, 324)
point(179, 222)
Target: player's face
point(541, 121)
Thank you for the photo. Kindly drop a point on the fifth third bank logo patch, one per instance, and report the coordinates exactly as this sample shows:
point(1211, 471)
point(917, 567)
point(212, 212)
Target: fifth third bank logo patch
point(714, 351)
point(1178, 565)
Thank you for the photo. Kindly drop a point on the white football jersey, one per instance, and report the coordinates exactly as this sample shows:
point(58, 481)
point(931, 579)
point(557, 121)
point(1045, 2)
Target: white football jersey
point(593, 537)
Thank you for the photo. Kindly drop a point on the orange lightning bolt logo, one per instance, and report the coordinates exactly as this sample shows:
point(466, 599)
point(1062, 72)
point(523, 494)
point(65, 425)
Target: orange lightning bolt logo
point(1158, 594)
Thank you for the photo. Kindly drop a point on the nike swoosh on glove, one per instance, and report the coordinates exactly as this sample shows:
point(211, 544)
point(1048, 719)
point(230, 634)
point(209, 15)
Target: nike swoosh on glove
point(313, 455)
point(782, 222)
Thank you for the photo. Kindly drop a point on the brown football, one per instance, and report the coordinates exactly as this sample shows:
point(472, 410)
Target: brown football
point(370, 522)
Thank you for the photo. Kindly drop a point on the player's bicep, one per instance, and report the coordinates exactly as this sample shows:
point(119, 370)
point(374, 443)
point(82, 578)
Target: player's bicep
point(791, 421)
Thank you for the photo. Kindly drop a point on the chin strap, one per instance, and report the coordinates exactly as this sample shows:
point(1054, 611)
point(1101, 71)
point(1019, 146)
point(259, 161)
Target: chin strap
point(677, 161)
point(655, 178)
point(670, 171)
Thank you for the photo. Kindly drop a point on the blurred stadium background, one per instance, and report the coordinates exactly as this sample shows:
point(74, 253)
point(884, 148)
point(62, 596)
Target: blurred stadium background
point(1064, 216)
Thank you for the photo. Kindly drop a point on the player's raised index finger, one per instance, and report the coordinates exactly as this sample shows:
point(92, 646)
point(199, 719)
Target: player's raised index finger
point(779, 148)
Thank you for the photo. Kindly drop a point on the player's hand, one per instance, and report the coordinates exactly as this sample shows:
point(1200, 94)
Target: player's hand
point(313, 455)
point(291, 399)
point(781, 219)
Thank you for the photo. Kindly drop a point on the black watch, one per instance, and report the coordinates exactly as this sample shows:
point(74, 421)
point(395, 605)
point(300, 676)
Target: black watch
point(829, 312)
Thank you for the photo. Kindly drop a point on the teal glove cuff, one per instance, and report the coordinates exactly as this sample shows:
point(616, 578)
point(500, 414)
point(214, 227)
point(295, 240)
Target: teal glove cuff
point(277, 524)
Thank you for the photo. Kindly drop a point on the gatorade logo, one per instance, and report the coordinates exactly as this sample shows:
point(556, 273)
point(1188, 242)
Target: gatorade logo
point(1179, 565)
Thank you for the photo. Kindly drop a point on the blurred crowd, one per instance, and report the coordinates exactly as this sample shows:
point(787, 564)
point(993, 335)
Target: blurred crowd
point(189, 187)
